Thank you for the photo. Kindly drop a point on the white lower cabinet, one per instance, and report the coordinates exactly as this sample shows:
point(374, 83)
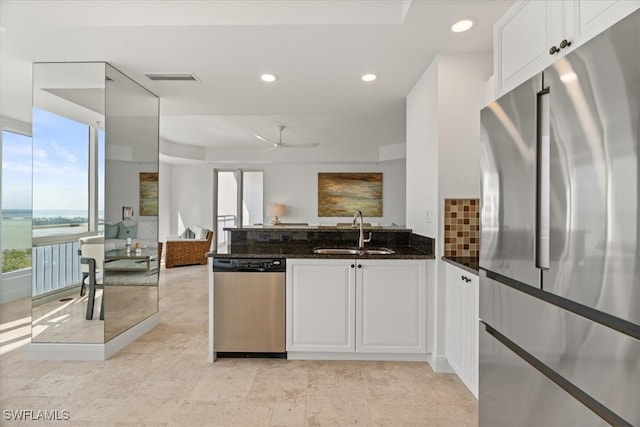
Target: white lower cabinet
point(320, 305)
point(462, 325)
point(356, 306)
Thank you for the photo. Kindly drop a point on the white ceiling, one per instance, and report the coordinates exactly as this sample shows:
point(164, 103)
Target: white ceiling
point(317, 48)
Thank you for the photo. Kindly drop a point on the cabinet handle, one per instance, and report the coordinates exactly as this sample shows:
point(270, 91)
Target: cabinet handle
point(353, 265)
point(465, 278)
point(359, 265)
point(564, 43)
point(553, 50)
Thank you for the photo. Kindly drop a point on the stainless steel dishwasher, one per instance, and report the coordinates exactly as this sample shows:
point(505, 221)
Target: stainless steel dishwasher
point(249, 307)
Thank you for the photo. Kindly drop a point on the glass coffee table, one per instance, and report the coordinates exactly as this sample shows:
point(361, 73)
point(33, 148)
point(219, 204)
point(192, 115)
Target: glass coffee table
point(120, 260)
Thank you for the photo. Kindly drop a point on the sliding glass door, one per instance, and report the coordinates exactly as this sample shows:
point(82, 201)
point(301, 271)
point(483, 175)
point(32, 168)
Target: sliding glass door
point(238, 200)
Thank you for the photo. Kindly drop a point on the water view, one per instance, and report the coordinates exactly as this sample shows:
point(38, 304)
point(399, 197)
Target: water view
point(16, 229)
point(17, 224)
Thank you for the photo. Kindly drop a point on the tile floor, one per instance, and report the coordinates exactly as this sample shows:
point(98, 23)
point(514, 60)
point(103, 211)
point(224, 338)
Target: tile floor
point(164, 379)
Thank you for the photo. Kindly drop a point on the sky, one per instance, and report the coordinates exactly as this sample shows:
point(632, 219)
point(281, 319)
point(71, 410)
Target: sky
point(60, 155)
point(16, 171)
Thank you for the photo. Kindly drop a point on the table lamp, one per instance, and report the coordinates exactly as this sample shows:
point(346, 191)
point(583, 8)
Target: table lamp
point(277, 209)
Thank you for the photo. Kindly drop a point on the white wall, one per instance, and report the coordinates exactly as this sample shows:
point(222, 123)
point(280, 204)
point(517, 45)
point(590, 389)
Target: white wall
point(165, 179)
point(295, 185)
point(461, 94)
point(443, 135)
point(422, 153)
point(253, 201)
point(191, 198)
point(122, 187)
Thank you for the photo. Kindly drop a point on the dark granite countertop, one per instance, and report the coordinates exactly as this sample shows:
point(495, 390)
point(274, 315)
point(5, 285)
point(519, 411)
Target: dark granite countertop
point(466, 263)
point(318, 227)
point(294, 250)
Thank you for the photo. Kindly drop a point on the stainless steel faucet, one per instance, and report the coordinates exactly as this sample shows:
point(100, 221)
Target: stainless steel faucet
point(361, 239)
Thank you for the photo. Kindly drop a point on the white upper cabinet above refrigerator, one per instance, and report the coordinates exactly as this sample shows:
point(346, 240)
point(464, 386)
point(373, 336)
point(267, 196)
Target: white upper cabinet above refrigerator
point(523, 38)
point(533, 34)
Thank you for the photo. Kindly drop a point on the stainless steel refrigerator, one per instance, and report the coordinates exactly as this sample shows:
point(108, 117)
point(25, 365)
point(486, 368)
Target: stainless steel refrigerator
point(560, 236)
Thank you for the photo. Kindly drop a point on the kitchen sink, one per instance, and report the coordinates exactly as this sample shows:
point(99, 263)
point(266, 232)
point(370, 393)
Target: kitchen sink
point(336, 251)
point(354, 251)
point(378, 251)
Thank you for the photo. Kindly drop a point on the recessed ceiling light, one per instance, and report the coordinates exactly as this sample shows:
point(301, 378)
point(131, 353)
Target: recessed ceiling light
point(268, 78)
point(463, 25)
point(369, 77)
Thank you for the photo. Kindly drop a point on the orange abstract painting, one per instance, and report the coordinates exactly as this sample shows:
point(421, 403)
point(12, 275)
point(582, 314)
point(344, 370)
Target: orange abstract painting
point(341, 194)
point(148, 193)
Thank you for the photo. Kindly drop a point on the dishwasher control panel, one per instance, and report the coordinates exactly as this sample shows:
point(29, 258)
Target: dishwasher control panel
point(249, 264)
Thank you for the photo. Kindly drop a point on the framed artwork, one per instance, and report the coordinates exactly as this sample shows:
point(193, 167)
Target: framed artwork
point(341, 194)
point(127, 212)
point(148, 194)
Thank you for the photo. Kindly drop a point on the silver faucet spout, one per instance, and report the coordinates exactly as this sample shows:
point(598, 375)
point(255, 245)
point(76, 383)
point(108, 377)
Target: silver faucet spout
point(361, 239)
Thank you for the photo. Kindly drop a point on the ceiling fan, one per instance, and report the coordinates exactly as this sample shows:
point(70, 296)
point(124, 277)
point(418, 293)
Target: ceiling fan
point(280, 144)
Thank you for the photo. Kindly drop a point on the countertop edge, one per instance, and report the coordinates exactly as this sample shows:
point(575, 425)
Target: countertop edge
point(416, 255)
point(322, 228)
point(465, 267)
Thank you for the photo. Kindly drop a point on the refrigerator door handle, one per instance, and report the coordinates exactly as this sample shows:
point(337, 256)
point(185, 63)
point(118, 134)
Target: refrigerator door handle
point(543, 126)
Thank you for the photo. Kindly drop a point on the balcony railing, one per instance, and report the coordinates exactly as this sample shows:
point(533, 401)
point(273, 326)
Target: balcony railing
point(55, 261)
point(54, 267)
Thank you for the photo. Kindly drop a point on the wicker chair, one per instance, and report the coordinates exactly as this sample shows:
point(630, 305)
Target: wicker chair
point(187, 251)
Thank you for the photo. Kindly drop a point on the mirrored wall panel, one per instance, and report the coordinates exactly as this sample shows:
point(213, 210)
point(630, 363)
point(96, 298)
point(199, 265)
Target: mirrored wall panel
point(132, 251)
point(95, 236)
point(68, 113)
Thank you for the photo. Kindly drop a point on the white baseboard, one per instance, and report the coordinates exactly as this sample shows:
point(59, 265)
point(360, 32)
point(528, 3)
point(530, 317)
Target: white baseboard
point(15, 285)
point(440, 364)
point(130, 335)
point(65, 351)
point(303, 355)
point(77, 351)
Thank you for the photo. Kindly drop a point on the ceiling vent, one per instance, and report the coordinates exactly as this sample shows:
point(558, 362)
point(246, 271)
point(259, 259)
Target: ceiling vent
point(172, 77)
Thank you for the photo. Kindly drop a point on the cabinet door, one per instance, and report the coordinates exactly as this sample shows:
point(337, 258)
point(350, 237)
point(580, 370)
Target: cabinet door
point(390, 306)
point(470, 345)
point(320, 305)
point(462, 325)
point(595, 16)
point(454, 328)
point(523, 37)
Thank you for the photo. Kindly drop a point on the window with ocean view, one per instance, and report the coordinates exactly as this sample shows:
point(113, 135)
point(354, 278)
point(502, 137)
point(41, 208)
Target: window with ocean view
point(68, 186)
point(16, 201)
point(60, 175)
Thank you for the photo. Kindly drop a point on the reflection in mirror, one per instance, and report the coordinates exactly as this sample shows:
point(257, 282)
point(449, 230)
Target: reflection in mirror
point(95, 138)
point(131, 238)
point(68, 111)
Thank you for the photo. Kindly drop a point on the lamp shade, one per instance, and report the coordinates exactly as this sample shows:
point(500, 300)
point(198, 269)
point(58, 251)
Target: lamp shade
point(277, 209)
